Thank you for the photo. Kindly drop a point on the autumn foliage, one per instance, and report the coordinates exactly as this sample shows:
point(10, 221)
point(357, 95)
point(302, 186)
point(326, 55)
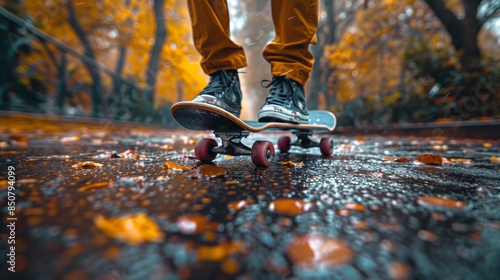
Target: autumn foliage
point(120, 35)
point(398, 62)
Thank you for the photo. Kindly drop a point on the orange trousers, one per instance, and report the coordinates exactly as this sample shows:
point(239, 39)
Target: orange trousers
point(295, 24)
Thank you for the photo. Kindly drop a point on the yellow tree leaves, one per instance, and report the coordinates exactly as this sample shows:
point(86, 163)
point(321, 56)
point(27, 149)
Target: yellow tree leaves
point(133, 229)
point(109, 25)
point(368, 58)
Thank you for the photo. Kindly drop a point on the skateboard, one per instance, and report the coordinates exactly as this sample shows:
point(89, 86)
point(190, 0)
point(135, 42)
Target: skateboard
point(230, 130)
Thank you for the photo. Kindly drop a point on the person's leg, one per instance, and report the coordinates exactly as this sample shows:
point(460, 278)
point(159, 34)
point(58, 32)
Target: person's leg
point(220, 55)
point(210, 27)
point(295, 24)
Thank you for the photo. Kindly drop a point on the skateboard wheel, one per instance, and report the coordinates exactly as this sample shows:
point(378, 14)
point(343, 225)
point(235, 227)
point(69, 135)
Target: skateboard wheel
point(203, 149)
point(326, 146)
point(284, 144)
point(262, 153)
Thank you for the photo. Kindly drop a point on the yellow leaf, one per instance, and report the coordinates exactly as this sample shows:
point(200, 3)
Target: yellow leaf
point(172, 166)
point(93, 186)
point(133, 229)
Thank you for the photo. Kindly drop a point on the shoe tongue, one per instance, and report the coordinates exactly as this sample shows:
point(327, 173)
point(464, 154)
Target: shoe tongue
point(283, 83)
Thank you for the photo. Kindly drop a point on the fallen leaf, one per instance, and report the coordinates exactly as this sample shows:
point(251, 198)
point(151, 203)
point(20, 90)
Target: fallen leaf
point(240, 204)
point(176, 167)
point(359, 225)
point(166, 147)
point(355, 206)
point(219, 252)
point(429, 159)
point(398, 270)
point(88, 164)
point(403, 159)
point(440, 202)
point(195, 224)
point(291, 163)
point(316, 251)
point(18, 141)
point(58, 157)
point(495, 159)
point(290, 206)
point(70, 139)
point(94, 186)
point(440, 147)
point(4, 184)
point(129, 154)
point(461, 160)
point(133, 229)
point(361, 139)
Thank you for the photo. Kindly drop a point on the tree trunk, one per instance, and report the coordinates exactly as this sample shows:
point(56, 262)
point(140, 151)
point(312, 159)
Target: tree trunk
point(154, 55)
point(89, 52)
point(471, 53)
point(463, 32)
point(117, 83)
point(62, 86)
point(120, 63)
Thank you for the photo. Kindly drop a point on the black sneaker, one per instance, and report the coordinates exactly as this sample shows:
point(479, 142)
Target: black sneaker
point(223, 91)
point(286, 102)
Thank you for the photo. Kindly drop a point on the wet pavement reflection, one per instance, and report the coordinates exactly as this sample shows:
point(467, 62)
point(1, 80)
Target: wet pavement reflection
point(138, 205)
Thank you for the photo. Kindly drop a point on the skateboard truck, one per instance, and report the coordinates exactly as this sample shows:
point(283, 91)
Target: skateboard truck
point(231, 143)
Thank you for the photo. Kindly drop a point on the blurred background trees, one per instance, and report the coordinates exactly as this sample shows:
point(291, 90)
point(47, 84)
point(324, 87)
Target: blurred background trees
point(128, 64)
point(377, 61)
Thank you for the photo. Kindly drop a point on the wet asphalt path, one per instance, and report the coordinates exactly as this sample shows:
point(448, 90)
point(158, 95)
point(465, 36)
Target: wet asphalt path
point(137, 205)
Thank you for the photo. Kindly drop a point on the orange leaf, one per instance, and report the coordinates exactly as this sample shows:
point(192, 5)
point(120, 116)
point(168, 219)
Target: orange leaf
point(291, 163)
point(87, 164)
point(173, 166)
point(429, 159)
point(133, 229)
point(93, 186)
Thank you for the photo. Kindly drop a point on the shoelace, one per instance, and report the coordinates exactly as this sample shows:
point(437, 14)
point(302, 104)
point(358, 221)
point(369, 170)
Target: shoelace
point(219, 82)
point(281, 86)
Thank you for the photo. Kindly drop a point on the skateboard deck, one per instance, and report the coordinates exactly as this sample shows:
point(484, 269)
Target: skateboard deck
point(201, 116)
point(230, 129)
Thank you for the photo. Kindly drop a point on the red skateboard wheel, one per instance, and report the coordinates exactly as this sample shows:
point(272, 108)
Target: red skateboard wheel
point(203, 149)
point(326, 146)
point(262, 153)
point(284, 144)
